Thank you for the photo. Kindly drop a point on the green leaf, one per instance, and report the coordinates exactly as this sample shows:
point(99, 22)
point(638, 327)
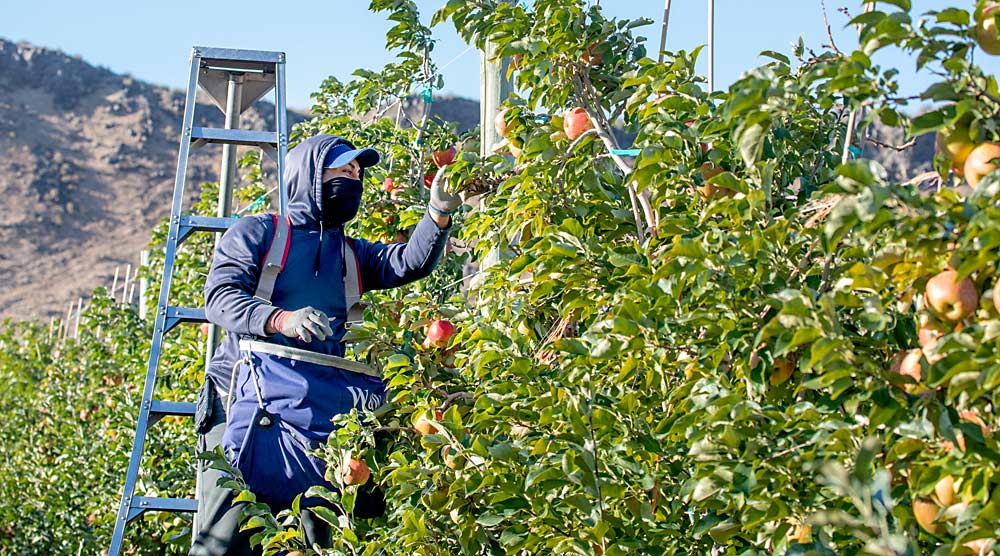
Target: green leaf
point(348, 497)
point(777, 56)
point(397, 360)
point(928, 121)
point(751, 143)
point(489, 520)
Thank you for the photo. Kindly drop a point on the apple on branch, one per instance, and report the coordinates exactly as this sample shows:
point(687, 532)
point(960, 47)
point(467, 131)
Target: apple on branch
point(929, 331)
point(439, 333)
point(500, 122)
point(944, 491)
point(444, 157)
point(576, 122)
point(710, 191)
point(980, 162)
point(424, 425)
point(987, 33)
point(955, 144)
point(593, 56)
point(355, 471)
point(926, 512)
point(949, 298)
point(907, 363)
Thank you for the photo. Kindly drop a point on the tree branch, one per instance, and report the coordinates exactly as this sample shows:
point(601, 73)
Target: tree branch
point(829, 34)
point(900, 148)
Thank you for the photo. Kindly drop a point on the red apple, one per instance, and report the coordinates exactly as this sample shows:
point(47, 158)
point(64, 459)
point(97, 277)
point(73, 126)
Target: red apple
point(800, 533)
point(996, 295)
point(907, 363)
point(593, 56)
point(987, 34)
point(973, 417)
point(929, 331)
point(425, 426)
point(439, 333)
point(444, 158)
point(949, 298)
point(980, 162)
point(576, 122)
point(709, 191)
point(388, 185)
point(428, 180)
point(500, 122)
point(356, 472)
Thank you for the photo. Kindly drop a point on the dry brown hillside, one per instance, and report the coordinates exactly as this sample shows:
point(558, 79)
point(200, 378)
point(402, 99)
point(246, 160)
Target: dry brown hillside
point(87, 160)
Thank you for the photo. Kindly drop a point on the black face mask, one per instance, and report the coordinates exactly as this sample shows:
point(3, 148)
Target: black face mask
point(341, 200)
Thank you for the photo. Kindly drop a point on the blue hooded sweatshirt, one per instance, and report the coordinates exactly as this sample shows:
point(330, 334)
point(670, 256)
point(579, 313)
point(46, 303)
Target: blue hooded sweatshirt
point(314, 270)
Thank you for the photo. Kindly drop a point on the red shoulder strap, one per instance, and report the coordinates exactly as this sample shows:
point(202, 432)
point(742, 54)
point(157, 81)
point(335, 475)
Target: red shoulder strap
point(274, 261)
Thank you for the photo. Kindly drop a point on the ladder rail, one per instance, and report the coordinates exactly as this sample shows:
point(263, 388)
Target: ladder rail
point(142, 424)
point(281, 124)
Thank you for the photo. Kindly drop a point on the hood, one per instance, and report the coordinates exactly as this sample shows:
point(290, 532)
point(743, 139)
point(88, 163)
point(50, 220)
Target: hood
point(303, 178)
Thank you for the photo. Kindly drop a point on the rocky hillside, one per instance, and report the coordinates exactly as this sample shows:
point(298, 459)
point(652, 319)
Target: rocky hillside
point(87, 162)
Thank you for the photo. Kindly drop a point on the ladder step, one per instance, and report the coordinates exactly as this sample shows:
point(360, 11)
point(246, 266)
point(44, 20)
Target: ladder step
point(177, 315)
point(211, 55)
point(141, 504)
point(246, 137)
point(189, 224)
point(163, 408)
point(207, 223)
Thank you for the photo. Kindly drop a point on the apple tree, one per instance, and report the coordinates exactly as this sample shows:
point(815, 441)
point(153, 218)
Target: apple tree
point(695, 349)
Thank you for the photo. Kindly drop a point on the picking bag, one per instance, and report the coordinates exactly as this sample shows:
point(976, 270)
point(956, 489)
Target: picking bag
point(281, 409)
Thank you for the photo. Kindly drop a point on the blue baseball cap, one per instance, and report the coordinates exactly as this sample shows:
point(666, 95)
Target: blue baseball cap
point(341, 154)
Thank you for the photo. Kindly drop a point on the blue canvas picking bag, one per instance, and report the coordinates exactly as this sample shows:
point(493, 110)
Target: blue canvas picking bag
point(283, 402)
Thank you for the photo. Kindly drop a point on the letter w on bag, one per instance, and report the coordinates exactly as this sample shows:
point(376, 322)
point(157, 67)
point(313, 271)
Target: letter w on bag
point(363, 400)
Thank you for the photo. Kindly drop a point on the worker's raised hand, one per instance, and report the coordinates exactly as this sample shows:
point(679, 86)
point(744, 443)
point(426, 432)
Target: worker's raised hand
point(306, 323)
point(442, 198)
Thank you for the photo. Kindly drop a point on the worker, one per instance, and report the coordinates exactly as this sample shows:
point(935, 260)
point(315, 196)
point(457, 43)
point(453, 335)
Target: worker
point(278, 398)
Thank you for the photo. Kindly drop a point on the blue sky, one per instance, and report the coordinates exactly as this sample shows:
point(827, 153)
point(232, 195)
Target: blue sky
point(152, 40)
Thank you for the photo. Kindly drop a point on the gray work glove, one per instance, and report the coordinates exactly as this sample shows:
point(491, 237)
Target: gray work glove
point(304, 324)
point(443, 201)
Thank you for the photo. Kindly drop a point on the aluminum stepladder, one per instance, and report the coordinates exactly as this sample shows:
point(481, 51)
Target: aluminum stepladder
point(234, 80)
